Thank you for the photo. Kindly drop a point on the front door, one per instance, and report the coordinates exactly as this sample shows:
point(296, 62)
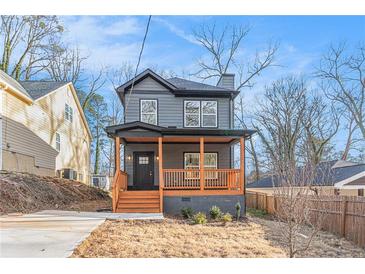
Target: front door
point(143, 175)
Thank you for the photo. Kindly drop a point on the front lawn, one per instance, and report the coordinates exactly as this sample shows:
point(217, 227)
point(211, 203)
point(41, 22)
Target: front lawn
point(176, 238)
point(254, 237)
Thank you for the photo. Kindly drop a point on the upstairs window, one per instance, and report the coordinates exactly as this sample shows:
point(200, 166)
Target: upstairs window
point(200, 113)
point(148, 110)
point(209, 113)
point(191, 113)
point(68, 113)
point(58, 141)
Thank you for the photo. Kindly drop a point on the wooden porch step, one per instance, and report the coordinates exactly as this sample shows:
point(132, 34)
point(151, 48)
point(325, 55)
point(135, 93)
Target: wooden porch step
point(138, 210)
point(138, 202)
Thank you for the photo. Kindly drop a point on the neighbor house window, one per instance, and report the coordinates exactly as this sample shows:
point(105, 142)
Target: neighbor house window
point(68, 113)
point(58, 141)
point(209, 113)
point(192, 113)
point(149, 111)
point(81, 177)
point(206, 111)
point(192, 161)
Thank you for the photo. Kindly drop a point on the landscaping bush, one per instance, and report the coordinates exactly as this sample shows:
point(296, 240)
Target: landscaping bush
point(226, 218)
point(187, 212)
point(200, 218)
point(215, 212)
point(238, 211)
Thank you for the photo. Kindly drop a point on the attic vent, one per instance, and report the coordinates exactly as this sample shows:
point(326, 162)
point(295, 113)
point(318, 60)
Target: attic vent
point(171, 126)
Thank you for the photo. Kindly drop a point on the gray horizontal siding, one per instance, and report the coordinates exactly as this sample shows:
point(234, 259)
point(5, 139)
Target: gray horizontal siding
point(173, 156)
point(18, 138)
point(170, 108)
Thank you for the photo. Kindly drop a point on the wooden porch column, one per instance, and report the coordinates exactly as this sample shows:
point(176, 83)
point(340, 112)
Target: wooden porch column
point(117, 154)
point(160, 172)
point(202, 163)
point(242, 164)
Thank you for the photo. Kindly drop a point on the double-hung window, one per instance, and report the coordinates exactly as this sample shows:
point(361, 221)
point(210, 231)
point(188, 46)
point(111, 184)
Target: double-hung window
point(192, 161)
point(209, 113)
point(149, 111)
point(200, 113)
point(58, 141)
point(68, 113)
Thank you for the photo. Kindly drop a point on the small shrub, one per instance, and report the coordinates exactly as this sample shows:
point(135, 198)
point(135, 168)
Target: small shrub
point(238, 211)
point(200, 218)
point(215, 212)
point(256, 212)
point(226, 218)
point(187, 212)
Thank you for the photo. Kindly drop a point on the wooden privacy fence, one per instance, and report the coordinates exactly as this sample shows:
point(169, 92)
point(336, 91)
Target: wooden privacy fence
point(344, 215)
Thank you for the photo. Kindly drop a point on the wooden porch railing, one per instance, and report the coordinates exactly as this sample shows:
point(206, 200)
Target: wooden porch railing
point(119, 183)
point(190, 179)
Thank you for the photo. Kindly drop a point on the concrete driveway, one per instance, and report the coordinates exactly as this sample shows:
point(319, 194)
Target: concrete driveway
point(52, 233)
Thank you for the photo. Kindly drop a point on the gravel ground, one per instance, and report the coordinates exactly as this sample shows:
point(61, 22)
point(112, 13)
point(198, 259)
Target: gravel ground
point(254, 237)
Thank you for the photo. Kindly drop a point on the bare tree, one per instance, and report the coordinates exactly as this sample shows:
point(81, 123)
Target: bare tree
point(121, 75)
point(321, 126)
point(343, 77)
point(223, 46)
point(240, 111)
point(288, 130)
point(25, 39)
point(65, 64)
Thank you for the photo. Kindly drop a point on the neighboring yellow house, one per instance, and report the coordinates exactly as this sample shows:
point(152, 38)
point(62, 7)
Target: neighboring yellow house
point(43, 129)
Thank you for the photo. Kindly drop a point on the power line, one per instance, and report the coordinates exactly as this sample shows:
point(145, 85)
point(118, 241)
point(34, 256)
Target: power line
point(139, 60)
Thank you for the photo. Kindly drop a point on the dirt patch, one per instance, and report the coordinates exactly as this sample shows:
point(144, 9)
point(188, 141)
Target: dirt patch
point(25, 193)
point(176, 238)
point(324, 245)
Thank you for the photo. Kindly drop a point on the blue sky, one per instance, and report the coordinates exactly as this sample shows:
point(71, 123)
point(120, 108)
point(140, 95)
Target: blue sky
point(112, 40)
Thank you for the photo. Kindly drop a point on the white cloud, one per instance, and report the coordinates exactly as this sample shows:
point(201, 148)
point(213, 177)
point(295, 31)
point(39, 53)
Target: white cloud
point(174, 29)
point(124, 26)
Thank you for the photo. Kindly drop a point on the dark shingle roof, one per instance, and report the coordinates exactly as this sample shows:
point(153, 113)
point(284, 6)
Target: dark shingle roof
point(181, 83)
point(329, 173)
point(37, 89)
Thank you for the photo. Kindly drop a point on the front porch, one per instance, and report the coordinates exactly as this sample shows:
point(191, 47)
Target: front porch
point(175, 176)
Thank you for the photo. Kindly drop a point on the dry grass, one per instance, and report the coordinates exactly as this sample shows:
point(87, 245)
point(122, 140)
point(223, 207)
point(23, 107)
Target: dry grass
point(174, 238)
point(255, 237)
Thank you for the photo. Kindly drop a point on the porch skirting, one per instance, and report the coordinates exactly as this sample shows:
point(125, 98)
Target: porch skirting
point(227, 203)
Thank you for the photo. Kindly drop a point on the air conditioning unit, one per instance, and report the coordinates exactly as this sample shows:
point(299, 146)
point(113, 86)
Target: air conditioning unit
point(68, 173)
point(100, 181)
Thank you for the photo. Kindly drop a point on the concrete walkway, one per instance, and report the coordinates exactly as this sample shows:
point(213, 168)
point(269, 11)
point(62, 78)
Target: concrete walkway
point(53, 233)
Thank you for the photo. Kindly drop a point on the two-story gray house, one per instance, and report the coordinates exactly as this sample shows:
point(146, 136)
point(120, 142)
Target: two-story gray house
point(177, 138)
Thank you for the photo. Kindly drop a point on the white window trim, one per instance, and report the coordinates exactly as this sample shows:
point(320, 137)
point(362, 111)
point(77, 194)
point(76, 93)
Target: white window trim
point(209, 114)
point(59, 135)
point(199, 113)
point(148, 113)
point(206, 167)
point(68, 113)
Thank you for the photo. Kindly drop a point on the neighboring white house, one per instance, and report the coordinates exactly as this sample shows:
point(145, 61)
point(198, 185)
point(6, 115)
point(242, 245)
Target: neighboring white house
point(43, 129)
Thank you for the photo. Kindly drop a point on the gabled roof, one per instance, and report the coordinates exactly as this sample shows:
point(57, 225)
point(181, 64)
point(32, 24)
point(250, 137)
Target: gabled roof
point(14, 84)
point(38, 89)
point(330, 173)
point(178, 86)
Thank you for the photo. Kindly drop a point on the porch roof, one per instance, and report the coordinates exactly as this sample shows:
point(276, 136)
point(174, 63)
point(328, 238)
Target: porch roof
point(143, 132)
